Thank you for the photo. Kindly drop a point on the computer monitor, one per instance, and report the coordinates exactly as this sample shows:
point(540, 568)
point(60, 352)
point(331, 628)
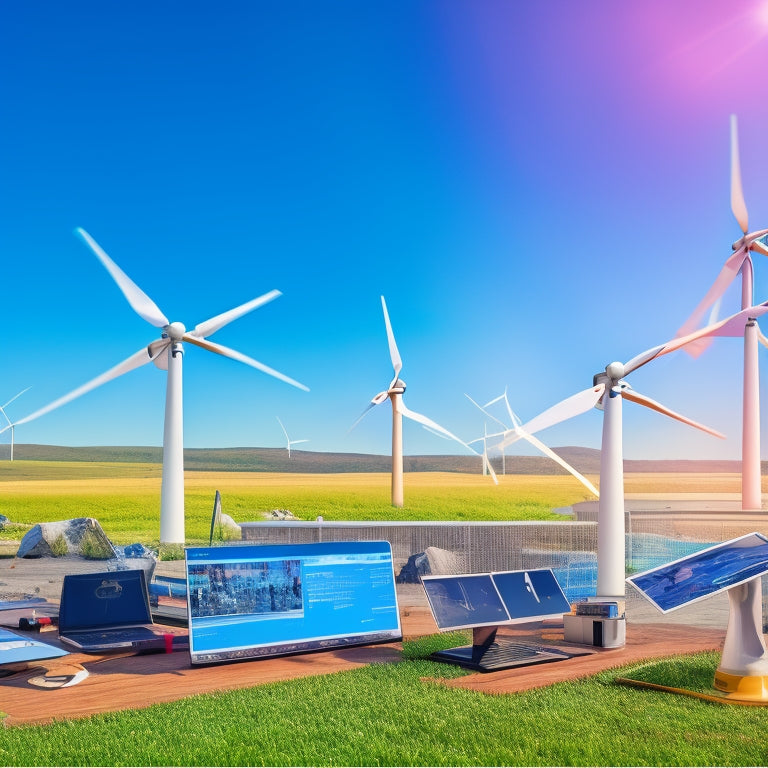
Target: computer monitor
point(704, 573)
point(262, 600)
point(485, 601)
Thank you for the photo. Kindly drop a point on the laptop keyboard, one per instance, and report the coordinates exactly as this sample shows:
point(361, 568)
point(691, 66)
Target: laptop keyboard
point(127, 635)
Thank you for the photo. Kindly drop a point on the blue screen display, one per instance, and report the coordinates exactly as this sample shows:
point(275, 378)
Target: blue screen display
point(704, 573)
point(264, 600)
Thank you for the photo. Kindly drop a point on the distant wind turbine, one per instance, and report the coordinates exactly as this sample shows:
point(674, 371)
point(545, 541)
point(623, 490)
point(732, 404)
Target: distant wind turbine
point(740, 263)
point(517, 432)
point(167, 353)
point(395, 394)
point(10, 425)
point(607, 392)
point(288, 440)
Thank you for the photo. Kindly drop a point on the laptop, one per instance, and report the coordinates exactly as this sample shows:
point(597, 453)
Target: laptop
point(107, 612)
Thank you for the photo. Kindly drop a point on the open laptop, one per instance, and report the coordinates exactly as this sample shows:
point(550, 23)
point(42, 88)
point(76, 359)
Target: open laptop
point(107, 612)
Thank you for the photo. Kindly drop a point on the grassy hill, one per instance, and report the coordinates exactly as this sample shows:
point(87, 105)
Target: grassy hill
point(586, 460)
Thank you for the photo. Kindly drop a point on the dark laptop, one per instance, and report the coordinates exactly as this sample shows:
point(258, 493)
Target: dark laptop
point(107, 612)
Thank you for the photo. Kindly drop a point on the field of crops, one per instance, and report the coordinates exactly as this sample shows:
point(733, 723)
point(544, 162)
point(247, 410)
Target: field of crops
point(125, 498)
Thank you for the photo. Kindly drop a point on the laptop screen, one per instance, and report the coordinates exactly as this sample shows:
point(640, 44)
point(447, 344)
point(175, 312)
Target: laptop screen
point(253, 601)
point(486, 599)
point(704, 573)
point(96, 600)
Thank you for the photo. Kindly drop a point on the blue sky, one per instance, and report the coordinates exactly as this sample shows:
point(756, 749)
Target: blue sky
point(537, 188)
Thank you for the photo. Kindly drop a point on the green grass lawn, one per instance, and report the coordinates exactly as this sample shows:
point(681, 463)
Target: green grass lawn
point(395, 714)
point(399, 714)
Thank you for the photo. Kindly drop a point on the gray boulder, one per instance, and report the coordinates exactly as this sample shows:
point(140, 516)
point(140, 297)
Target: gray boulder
point(432, 561)
point(81, 536)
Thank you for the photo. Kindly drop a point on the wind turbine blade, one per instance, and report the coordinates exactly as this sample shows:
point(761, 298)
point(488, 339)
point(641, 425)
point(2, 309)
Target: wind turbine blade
point(730, 326)
point(722, 281)
point(134, 361)
point(572, 406)
point(738, 206)
point(283, 428)
point(5, 405)
point(296, 442)
point(209, 327)
point(378, 400)
point(759, 246)
point(761, 337)
point(482, 408)
point(394, 354)
point(547, 451)
point(219, 349)
point(427, 422)
point(636, 397)
point(489, 467)
point(141, 303)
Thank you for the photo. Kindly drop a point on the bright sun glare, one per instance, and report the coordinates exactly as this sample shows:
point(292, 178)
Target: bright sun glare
point(762, 14)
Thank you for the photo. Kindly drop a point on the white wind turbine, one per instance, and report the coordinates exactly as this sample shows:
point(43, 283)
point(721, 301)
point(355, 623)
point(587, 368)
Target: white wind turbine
point(607, 392)
point(395, 394)
point(518, 432)
point(10, 424)
point(167, 354)
point(487, 467)
point(288, 440)
point(740, 262)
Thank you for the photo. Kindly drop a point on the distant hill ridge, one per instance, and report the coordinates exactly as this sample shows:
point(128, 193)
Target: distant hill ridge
point(585, 460)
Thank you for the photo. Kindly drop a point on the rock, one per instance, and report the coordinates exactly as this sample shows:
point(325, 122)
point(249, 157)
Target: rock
point(279, 514)
point(81, 536)
point(432, 561)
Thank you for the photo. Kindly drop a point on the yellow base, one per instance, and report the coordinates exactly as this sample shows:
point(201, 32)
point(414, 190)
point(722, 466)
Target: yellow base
point(742, 687)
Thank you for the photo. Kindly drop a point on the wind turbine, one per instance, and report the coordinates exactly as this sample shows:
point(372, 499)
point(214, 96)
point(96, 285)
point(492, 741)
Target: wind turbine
point(607, 392)
point(518, 432)
point(167, 354)
point(289, 442)
point(487, 467)
point(10, 425)
point(740, 263)
point(395, 394)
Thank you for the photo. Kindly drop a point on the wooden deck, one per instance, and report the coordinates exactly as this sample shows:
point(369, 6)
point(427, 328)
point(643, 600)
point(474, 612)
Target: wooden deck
point(130, 682)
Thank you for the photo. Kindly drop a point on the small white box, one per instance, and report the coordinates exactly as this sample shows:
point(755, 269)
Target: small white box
point(592, 630)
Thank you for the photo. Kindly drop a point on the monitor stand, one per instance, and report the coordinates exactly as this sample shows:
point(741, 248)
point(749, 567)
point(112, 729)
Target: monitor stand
point(743, 670)
point(486, 654)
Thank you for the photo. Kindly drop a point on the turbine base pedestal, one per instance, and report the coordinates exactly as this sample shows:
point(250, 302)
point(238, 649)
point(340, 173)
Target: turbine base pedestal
point(742, 687)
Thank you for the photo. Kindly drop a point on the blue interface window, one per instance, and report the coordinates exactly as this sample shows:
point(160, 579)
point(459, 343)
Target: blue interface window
point(260, 600)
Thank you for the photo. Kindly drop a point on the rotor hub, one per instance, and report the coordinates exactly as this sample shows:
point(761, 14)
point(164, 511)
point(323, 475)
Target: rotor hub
point(397, 388)
point(175, 331)
point(615, 371)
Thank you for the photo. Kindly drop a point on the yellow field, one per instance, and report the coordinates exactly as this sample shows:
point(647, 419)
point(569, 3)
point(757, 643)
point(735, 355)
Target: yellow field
point(126, 498)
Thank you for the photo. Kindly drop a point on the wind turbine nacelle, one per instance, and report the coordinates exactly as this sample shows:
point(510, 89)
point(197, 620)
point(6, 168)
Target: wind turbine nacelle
point(397, 388)
point(175, 331)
